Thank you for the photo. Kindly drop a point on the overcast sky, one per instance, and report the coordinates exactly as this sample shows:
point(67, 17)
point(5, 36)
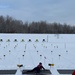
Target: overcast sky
point(60, 11)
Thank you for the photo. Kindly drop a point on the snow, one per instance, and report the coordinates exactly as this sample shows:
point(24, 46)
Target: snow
point(57, 49)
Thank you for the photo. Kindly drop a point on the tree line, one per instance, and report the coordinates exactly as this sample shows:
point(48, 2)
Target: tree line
point(11, 25)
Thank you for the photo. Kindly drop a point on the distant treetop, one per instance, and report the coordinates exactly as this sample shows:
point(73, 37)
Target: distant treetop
point(10, 25)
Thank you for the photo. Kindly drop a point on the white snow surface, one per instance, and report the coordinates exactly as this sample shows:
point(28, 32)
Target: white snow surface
point(57, 49)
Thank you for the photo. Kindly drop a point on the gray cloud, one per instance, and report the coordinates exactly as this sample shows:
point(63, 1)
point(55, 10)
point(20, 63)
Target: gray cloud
point(35, 10)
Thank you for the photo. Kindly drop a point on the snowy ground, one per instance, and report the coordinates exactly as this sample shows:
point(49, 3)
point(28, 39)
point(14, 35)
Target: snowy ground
point(56, 49)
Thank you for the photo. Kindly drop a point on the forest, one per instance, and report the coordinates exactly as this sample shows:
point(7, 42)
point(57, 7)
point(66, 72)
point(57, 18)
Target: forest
point(11, 25)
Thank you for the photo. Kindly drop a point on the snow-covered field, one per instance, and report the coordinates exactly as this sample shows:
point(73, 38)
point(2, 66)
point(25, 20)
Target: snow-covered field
point(30, 49)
